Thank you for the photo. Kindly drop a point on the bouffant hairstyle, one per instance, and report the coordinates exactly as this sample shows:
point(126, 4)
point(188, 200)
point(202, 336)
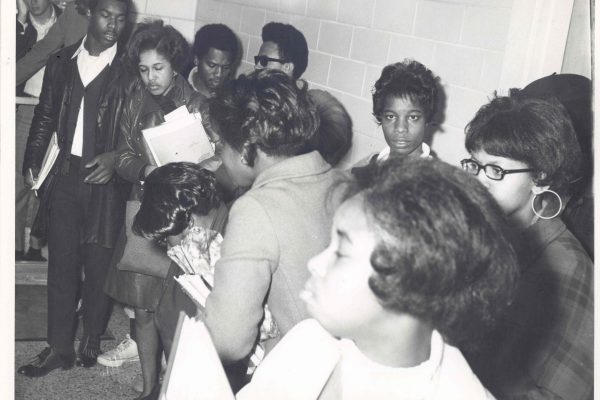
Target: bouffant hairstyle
point(536, 132)
point(411, 80)
point(442, 252)
point(265, 110)
point(217, 36)
point(166, 40)
point(291, 42)
point(172, 193)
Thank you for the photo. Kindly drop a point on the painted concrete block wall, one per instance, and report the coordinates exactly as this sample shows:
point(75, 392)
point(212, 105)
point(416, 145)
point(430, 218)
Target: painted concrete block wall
point(179, 13)
point(350, 41)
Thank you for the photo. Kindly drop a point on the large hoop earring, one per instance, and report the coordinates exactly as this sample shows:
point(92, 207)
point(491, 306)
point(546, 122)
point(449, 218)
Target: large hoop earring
point(560, 204)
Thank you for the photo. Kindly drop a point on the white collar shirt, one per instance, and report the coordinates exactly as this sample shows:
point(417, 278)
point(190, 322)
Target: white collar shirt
point(89, 67)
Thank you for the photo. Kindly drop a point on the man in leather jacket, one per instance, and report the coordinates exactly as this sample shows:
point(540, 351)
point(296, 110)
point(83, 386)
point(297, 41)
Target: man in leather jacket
point(82, 199)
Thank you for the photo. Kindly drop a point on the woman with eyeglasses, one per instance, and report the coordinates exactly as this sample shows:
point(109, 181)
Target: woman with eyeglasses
point(525, 152)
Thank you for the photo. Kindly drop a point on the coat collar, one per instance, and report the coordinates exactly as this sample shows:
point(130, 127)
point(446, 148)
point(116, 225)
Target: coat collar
point(294, 167)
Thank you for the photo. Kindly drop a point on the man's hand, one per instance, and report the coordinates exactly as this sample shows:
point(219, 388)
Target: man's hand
point(22, 11)
point(30, 176)
point(105, 168)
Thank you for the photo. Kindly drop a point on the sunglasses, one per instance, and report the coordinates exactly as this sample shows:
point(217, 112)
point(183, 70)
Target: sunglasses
point(263, 61)
point(492, 171)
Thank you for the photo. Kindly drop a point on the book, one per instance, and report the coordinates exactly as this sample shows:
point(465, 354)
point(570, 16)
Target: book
point(49, 160)
point(194, 370)
point(180, 138)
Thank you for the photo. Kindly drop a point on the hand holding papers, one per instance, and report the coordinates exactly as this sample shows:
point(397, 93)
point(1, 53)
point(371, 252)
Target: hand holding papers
point(197, 255)
point(180, 138)
point(49, 160)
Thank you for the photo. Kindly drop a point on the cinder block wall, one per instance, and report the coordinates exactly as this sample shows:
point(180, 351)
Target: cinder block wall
point(350, 41)
point(179, 13)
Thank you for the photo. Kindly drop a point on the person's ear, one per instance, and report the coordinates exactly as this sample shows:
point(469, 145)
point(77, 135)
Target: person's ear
point(88, 13)
point(196, 61)
point(288, 68)
point(248, 154)
point(537, 188)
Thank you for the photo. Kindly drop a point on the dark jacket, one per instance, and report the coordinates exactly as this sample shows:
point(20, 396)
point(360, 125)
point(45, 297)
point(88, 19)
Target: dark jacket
point(106, 208)
point(25, 40)
point(141, 112)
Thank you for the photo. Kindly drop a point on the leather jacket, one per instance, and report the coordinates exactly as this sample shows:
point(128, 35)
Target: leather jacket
point(141, 112)
point(106, 208)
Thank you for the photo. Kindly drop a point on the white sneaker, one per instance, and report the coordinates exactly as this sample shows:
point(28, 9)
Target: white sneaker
point(126, 351)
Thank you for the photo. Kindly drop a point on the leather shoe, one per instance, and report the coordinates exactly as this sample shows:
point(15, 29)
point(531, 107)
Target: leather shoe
point(88, 351)
point(45, 362)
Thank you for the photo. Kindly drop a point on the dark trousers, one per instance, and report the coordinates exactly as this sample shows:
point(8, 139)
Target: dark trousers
point(66, 258)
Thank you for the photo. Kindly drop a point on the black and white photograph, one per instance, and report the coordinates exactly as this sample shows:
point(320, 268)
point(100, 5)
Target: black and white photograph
point(297, 199)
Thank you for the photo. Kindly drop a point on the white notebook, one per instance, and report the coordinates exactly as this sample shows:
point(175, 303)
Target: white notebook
point(180, 138)
point(49, 160)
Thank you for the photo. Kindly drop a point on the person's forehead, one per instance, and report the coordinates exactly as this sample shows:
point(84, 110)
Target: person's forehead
point(216, 56)
point(401, 102)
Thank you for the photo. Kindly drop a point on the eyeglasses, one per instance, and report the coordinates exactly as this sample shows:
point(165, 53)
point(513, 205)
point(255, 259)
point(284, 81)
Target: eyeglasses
point(263, 61)
point(492, 171)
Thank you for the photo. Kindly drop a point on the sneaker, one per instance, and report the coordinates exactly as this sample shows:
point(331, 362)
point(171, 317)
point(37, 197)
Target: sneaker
point(126, 351)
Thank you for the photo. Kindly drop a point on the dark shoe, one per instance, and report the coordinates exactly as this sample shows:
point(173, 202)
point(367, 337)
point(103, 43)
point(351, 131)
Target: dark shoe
point(19, 255)
point(34, 255)
point(45, 362)
point(88, 352)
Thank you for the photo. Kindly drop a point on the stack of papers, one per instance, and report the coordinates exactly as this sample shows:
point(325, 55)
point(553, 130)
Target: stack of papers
point(49, 160)
point(180, 138)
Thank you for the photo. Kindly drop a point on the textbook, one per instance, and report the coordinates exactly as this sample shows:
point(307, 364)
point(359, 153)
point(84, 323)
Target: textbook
point(194, 370)
point(49, 160)
point(180, 138)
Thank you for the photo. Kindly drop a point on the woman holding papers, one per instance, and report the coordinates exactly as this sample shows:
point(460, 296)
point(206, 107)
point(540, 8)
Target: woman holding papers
point(157, 53)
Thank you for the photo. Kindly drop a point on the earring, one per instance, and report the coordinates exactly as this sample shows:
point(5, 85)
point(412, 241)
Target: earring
point(560, 204)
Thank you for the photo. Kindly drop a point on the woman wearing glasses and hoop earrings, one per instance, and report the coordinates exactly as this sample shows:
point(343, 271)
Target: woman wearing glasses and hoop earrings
point(525, 152)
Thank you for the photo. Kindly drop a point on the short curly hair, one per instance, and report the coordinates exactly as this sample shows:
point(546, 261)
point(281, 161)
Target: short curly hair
point(291, 42)
point(217, 36)
point(536, 132)
point(166, 40)
point(265, 110)
point(172, 193)
point(407, 79)
point(443, 253)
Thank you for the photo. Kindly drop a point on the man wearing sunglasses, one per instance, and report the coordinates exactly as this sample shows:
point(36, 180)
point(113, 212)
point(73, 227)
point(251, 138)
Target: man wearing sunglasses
point(284, 48)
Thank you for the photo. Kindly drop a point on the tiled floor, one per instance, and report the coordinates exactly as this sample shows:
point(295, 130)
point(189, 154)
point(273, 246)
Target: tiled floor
point(96, 383)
